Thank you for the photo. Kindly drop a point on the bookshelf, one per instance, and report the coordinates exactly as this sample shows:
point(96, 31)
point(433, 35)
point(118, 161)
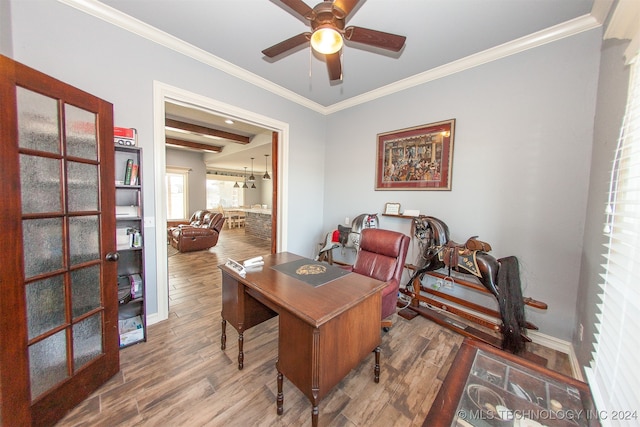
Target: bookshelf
point(130, 245)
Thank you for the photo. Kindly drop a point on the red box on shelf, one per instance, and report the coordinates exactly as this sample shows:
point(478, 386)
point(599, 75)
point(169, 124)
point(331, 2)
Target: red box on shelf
point(125, 136)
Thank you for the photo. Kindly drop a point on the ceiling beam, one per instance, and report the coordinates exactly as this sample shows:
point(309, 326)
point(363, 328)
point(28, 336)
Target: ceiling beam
point(194, 145)
point(240, 139)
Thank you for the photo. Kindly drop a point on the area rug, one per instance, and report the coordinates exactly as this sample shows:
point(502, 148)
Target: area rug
point(171, 251)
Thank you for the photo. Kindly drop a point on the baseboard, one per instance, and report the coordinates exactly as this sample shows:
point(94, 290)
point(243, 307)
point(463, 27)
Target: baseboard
point(153, 318)
point(559, 345)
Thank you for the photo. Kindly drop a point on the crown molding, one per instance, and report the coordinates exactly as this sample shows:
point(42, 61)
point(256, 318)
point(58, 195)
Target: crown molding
point(113, 16)
point(549, 35)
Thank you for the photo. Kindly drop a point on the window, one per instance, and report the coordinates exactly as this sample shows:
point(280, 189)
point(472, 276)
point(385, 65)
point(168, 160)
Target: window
point(222, 191)
point(177, 185)
point(614, 374)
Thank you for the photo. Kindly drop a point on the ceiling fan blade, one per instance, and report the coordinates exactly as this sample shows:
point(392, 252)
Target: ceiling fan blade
point(298, 6)
point(334, 66)
point(346, 5)
point(375, 38)
point(286, 45)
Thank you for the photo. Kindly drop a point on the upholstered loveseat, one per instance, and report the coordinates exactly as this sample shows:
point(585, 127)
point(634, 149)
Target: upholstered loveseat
point(202, 232)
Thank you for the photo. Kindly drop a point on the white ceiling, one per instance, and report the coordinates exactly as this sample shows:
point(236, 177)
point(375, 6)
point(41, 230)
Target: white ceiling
point(234, 156)
point(443, 37)
point(438, 32)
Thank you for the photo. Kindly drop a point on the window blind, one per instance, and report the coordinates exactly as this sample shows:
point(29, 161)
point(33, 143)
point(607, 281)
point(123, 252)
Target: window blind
point(614, 373)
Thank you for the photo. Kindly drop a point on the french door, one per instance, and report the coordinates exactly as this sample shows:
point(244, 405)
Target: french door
point(58, 286)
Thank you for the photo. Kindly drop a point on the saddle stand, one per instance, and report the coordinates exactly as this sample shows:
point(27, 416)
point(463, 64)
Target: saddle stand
point(458, 314)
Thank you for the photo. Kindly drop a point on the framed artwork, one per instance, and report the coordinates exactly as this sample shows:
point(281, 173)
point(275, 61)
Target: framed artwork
point(392, 208)
point(417, 158)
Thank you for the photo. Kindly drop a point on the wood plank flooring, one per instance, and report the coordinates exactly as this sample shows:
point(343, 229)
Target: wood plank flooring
point(181, 377)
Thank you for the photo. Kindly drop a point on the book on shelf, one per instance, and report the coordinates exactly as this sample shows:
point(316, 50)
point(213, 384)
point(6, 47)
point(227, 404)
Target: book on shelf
point(134, 175)
point(127, 172)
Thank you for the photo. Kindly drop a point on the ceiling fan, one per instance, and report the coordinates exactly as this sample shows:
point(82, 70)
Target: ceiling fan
point(328, 32)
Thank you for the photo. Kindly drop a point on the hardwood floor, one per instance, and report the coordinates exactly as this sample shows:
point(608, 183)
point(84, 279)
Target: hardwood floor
point(180, 377)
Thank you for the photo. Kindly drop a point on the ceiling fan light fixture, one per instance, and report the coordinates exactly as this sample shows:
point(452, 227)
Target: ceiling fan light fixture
point(326, 40)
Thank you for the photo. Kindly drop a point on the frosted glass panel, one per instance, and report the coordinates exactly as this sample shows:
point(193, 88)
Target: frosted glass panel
point(84, 244)
point(42, 240)
point(81, 132)
point(47, 363)
point(87, 340)
point(38, 124)
point(40, 184)
point(45, 305)
point(85, 290)
point(82, 185)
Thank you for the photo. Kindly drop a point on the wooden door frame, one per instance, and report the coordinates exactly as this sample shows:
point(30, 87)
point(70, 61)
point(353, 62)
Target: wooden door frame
point(163, 93)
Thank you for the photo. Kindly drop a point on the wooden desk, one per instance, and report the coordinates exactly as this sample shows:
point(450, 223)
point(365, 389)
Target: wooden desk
point(483, 379)
point(324, 331)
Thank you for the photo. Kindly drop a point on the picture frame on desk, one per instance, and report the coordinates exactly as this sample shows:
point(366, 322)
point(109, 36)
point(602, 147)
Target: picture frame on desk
point(416, 158)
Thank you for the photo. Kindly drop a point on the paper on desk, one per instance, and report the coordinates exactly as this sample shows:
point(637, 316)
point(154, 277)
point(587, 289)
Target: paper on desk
point(251, 262)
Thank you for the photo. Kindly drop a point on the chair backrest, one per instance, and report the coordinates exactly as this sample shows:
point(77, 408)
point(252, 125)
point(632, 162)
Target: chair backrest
point(214, 221)
point(197, 219)
point(382, 254)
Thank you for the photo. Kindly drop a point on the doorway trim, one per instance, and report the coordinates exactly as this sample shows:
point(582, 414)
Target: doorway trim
point(162, 93)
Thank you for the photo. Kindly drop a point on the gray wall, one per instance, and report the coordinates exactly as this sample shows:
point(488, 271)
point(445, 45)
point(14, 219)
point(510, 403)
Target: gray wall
point(612, 97)
point(197, 176)
point(6, 45)
point(120, 67)
point(521, 163)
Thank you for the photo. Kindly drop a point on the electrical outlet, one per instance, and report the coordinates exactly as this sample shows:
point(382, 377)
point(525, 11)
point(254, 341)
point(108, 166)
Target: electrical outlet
point(581, 332)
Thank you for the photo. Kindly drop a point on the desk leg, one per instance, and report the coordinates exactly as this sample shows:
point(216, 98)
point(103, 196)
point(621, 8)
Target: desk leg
point(314, 416)
point(280, 396)
point(240, 352)
point(376, 368)
point(280, 403)
point(223, 338)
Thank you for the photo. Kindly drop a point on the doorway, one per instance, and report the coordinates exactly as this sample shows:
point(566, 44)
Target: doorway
point(165, 93)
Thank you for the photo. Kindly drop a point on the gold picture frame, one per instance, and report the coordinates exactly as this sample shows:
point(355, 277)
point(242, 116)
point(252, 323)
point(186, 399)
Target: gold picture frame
point(417, 158)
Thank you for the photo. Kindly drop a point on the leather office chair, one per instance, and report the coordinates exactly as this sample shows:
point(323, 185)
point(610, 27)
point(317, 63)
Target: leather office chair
point(381, 256)
point(197, 237)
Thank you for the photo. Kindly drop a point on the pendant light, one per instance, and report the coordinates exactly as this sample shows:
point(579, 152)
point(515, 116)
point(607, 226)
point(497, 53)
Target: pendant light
point(266, 172)
point(245, 178)
point(252, 178)
point(236, 185)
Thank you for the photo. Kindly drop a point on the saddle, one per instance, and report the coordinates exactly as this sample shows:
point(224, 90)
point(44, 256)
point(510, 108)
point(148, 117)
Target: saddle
point(451, 251)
